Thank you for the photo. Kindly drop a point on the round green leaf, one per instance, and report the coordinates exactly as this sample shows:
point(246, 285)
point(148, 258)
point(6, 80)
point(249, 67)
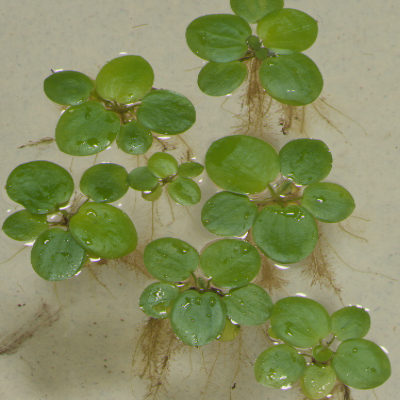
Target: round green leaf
point(300, 322)
point(68, 87)
point(56, 256)
point(242, 164)
point(305, 161)
point(190, 169)
point(230, 331)
point(103, 230)
point(253, 10)
point(248, 305)
point(254, 42)
point(228, 214)
point(350, 323)
point(197, 318)
point(279, 366)
point(162, 165)
point(328, 202)
point(171, 260)
point(292, 79)
point(287, 30)
point(125, 79)
point(153, 194)
point(230, 263)
point(166, 112)
point(134, 138)
point(22, 225)
point(285, 235)
point(318, 381)
point(218, 37)
point(142, 179)
point(220, 79)
point(156, 299)
point(361, 364)
point(322, 353)
point(104, 182)
point(40, 186)
point(184, 191)
point(86, 129)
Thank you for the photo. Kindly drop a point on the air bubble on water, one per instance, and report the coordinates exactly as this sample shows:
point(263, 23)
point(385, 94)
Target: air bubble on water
point(301, 295)
point(281, 266)
point(78, 273)
point(30, 244)
point(94, 259)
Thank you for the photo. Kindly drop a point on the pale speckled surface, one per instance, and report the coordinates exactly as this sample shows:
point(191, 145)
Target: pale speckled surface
point(83, 340)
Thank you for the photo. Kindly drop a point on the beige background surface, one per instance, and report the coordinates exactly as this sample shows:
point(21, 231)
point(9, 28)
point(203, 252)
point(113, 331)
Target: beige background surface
point(76, 339)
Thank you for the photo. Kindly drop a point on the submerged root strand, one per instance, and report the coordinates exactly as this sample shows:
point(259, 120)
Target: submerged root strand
point(270, 277)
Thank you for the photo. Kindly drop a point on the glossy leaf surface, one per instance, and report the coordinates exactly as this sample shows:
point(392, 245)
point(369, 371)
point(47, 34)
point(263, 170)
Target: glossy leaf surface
point(350, 323)
point(322, 353)
point(184, 191)
point(318, 381)
point(162, 165)
point(134, 138)
point(153, 194)
point(142, 179)
point(253, 10)
point(190, 169)
point(40, 186)
point(23, 225)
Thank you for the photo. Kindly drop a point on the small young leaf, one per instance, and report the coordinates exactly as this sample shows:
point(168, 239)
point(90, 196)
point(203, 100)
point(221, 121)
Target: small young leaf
point(230, 331)
point(228, 214)
point(350, 323)
point(68, 87)
point(166, 112)
point(322, 353)
point(184, 191)
point(279, 366)
point(56, 256)
point(218, 37)
point(318, 381)
point(196, 318)
point(253, 10)
point(142, 179)
point(134, 138)
point(153, 194)
point(40, 186)
point(190, 169)
point(86, 129)
point(22, 225)
point(104, 183)
point(170, 259)
point(230, 263)
point(156, 299)
point(162, 165)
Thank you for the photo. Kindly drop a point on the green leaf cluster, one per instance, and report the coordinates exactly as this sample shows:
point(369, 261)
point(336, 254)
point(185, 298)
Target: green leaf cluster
point(163, 170)
point(278, 196)
point(227, 43)
point(202, 310)
point(120, 104)
point(302, 323)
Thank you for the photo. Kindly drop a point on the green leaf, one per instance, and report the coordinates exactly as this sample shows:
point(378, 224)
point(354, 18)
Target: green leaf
point(230, 331)
point(153, 194)
point(156, 299)
point(68, 87)
point(248, 305)
point(125, 79)
point(287, 30)
point(103, 230)
point(242, 164)
point(328, 202)
point(142, 179)
point(305, 161)
point(228, 214)
point(220, 79)
point(253, 10)
point(197, 318)
point(166, 112)
point(218, 37)
point(350, 323)
point(104, 182)
point(279, 366)
point(300, 322)
point(86, 129)
point(162, 165)
point(285, 235)
point(184, 191)
point(361, 364)
point(292, 79)
point(171, 260)
point(230, 263)
point(22, 225)
point(322, 353)
point(318, 381)
point(190, 169)
point(56, 256)
point(40, 186)
point(134, 138)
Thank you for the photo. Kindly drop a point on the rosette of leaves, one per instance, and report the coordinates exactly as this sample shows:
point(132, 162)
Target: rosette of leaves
point(202, 310)
point(163, 170)
point(64, 241)
point(227, 42)
point(120, 104)
point(282, 216)
point(302, 323)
